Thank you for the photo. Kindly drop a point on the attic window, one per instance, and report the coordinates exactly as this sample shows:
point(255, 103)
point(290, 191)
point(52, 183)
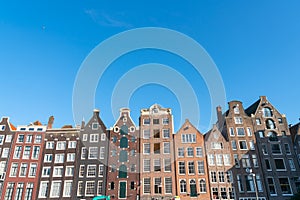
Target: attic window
point(95, 126)
point(236, 109)
point(267, 112)
point(2, 127)
point(40, 129)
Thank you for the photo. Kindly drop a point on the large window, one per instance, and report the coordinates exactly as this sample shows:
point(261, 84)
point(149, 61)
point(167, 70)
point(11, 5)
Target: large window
point(182, 186)
point(55, 189)
point(267, 112)
point(271, 185)
point(240, 131)
point(181, 165)
point(166, 147)
point(28, 192)
point(67, 189)
point(270, 124)
point(202, 185)
point(19, 191)
point(147, 148)
point(44, 189)
point(168, 185)
point(201, 169)
point(91, 171)
point(211, 159)
point(213, 177)
point(123, 156)
point(123, 171)
point(124, 142)
point(240, 183)
point(26, 152)
point(191, 166)
point(157, 165)
point(147, 165)
point(146, 185)
point(276, 149)
point(157, 186)
point(249, 183)
point(219, 159)
point(188, 138)
point(279, 164)
point(90, 188)
point(167, 164)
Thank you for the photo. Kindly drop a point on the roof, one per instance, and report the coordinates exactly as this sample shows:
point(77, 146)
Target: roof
point(252, 109)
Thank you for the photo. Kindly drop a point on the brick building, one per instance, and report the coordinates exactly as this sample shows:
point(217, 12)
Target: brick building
point(59, 163)
point(7, 131)
point(190, 161)
point(22, 175)
point(157, 156)
point(123, 159)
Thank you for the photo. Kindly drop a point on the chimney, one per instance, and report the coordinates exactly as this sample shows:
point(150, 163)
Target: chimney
point(219, 113)
point(50, 122)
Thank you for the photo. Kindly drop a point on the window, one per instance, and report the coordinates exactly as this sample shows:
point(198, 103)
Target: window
point(264, 149)
point(292, 164)
point(271, 185)
point(166, 133)
point(240, 183)
point(180, 152)
point(147, 148)
point(20, 138)
point(287, 148)
point(26, 152)
point(14, 169)
point(267, 112)
point(17, 153)
point(72, 144)
point(279, 164)
point(285, 186)
point(123, 171)
point(283, 133)
point(156, 133)
point(221, 177)
point(146, 165)
point(59, 158)
point(123, 157)
point(236, 109)
point(182, 186)
point(272, 136)
point(268, 165)
point(199, 152)
point(32, 169)
point(146, 134)
point(280, 120)
point(100, 188)
point(165, 121)
point(157, 166)
point(202, 185)
point(276, 149)
point(238, 120)
point(188, 138)
point(261, 134)
point(8, 138)
point(61, 145)
point(215, 193)
point(155, 121)
point(58, 171)
point(201, 169)
point(249, 183)
point(236, 161)
point(81, 170)
point(9, 191)
point(124, 142)
point(83, 152)
point(35, 152)
point(23, 169)
point(223, 193)
point(243, 145)
point(259, 183)
point(213, 177)
point(251, 144)
point(114, 139)
point(46, 171)
point(48, 158)
point(132, 152)
point(29, 138)
point(55, 189)
point(168, 185)
point(44, 189)
point(28, 192)
point(167, 164)
point(67, 189)
point(217, 145)
point(219, 159)
point(132, 168)
point(240, 131)
point(249, 131)
point(90, 188)
point(254, 160)
point(233, 145)
point(102, 152)
point(70, 157)
point(231, 131)
point(258, 122)
point(85, 137)
point(69, 171)
point(181, 166)
point(1, 139)
point(94, 137)
point(38, 139)
point(157, 186)
point(146, 185)
point(270, 124)
point(226, 159)
point(146, 121)
point(190, 152)
point(103, 136)
point(113, 168)
point(156, 148)
point(93, 152)
point(231, 193)
point(95, 126)
point(80, 191)
point(211, 159)
point(191, 167)
point(124, 130)
point(229, 176)
point(49, 145)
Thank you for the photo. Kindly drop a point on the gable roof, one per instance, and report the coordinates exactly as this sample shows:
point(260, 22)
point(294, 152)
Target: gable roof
point(253, 108)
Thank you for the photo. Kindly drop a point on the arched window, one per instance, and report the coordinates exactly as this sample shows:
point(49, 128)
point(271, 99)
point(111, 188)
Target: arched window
point(123, 171)
point(193, 188)
point(182, 186)
point(124, 142)
point(270, 124)
point(272, 136)
point(123, 156)
point(267, 112)
point(202, 185)
point(124, 130)
point(236, 110)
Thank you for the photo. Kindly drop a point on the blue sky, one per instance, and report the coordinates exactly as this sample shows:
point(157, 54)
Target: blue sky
point(255, 45)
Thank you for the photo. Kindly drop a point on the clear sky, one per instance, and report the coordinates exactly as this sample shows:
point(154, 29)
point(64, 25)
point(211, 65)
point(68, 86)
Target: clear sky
point(255, 45)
